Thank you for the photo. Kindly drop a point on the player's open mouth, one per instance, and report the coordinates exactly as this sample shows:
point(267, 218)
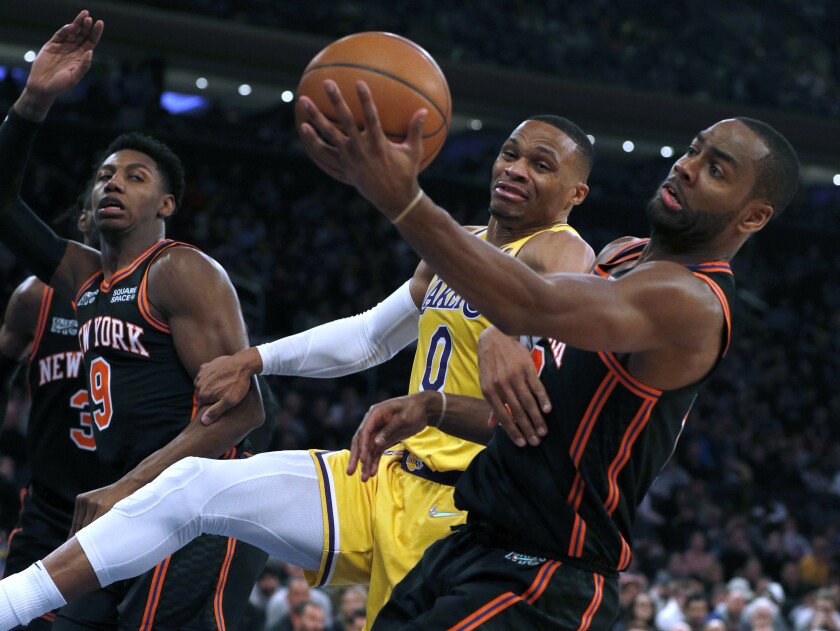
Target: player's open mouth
point(110, 206)
point(670, 197)
point(509, 191)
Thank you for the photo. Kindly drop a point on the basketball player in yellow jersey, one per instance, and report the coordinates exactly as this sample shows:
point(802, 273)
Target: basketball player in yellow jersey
point(344, 528)
point(538, 177)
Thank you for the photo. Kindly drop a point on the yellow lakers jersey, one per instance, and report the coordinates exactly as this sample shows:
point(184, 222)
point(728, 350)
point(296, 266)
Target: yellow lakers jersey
point(447, 360)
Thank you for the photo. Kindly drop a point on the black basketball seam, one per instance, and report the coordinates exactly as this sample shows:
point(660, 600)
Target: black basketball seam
point(388, 75)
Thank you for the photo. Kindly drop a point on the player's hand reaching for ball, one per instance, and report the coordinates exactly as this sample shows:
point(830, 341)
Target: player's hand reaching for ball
point(385, 172)
point(388, 423)
point(511, 386)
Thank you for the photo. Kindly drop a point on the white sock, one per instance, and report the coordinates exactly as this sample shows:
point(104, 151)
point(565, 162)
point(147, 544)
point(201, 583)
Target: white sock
point(27, 595)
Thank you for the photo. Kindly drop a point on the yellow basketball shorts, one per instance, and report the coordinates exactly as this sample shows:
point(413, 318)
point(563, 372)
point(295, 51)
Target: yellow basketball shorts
point(376, 531)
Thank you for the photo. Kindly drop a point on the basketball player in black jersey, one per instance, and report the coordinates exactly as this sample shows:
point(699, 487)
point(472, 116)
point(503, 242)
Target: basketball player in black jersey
point(621, 352)
point(150, 312)
point(39, 329)
point(644, 332)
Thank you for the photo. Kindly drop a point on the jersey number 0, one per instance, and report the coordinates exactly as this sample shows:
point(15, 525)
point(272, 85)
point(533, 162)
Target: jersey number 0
point(437, 359)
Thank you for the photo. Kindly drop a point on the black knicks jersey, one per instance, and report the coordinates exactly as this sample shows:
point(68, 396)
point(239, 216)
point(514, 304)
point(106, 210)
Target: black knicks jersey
point(60, 446)
point(575, 494)
point(141, 397)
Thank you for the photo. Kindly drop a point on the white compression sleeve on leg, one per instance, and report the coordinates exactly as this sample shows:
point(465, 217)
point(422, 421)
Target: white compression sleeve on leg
point(271, 500)
point(346, 346)
point(27, 595)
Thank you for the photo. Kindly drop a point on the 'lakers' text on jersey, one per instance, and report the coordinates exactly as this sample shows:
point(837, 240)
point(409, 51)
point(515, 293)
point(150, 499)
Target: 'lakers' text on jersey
point(447, 359)
point(574, 496)
point(140, 395)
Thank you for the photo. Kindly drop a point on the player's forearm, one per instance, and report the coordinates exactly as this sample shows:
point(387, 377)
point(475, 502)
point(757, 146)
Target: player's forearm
point(343, 347)
point(32, 105)
point(463, 417)
point(29, 238)
point(497, 285)
point(206, 441)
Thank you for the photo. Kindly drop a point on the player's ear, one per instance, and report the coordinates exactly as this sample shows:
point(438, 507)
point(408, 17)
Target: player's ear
point(757, 215)
point(167, 206)
point(581, 191)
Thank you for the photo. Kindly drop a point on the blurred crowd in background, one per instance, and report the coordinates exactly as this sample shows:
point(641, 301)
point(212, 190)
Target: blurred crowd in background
point(784, 53)
point(740, 532)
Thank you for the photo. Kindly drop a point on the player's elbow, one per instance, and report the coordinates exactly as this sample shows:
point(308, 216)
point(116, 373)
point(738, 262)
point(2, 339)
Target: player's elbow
point(256, 411)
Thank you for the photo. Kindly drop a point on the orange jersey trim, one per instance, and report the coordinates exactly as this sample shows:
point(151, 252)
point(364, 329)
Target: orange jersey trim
point(154, 594)
point(46, 300)
point(219, 597)
point(625, 449)
point(506, 600)
point(627, 380)
point(106, 285)
point(592, 413)
point(724, 303)
point(589, 614)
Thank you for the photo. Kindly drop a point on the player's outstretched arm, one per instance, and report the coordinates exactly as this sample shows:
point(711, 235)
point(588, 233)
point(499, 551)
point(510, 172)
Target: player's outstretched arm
point(334, 349)
point(59, 66)
point(648, 311)
point(194, 295)
point(391, 421)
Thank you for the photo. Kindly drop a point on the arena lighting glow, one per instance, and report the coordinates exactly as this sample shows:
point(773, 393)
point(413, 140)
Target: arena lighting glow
point(29, 56)
point(177, 103)
point(591, 138)
point(287, 96)
point(836, 179)
point(628, 146)
point(3, 72)
point(476, 124)
point(666, 151)
point(244, 89)
point(201, 83)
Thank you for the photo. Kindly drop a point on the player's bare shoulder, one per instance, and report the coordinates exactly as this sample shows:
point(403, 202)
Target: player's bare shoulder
point(554, 251)
point(183, 275)
point(24, 305)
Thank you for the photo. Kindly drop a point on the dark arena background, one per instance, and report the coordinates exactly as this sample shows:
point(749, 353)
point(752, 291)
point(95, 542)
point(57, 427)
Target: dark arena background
point(746, 514)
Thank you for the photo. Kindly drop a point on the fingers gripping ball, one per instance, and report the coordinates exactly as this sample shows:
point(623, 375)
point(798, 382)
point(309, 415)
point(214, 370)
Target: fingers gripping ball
point(402, 77)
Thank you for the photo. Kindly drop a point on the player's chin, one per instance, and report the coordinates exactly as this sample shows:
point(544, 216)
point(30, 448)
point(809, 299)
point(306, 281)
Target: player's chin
point(504, 213)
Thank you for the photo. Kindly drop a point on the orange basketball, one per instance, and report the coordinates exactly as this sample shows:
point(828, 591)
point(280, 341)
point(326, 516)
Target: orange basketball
point(402, 77)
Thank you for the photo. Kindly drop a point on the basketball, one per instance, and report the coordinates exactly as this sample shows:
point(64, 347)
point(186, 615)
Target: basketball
point(402, 77)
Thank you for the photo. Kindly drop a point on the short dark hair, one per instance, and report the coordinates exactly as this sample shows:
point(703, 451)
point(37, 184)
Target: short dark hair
point(778, 173)
point(168, 164)
point(585, 150)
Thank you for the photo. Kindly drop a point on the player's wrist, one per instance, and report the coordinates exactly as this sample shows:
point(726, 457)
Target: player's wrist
point(407, 208)
point(33, 105)
point(250, 361)
point(435, 405)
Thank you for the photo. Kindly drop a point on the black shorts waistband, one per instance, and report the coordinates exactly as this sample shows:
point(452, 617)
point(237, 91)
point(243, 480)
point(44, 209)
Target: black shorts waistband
point(415, 466)
point(492, 535)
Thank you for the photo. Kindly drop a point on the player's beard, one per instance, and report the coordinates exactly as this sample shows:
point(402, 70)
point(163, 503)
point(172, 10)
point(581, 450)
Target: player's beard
point(688, 227)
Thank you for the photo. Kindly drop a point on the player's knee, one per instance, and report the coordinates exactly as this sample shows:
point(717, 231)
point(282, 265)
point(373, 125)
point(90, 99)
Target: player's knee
point(175, 494)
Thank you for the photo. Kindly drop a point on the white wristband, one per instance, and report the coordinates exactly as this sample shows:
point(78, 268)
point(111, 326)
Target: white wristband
point(437, 423)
